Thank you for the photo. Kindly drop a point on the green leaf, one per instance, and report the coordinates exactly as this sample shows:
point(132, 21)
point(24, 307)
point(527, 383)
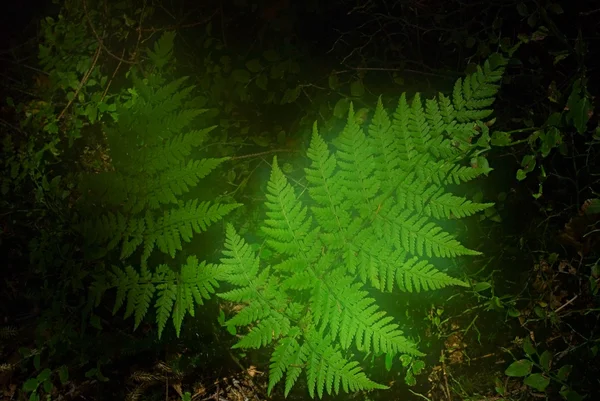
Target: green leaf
point(550, 138)
point(521, 174)
point(546, 360)
point(482, 286)
point(278, 70)
point(254, 65)
point(564, 372)
point(291, 95)
point(44, 375)
point(499, 386)
point(30, 385)
point(519, 368)
point(409, 379)
point(418, 366)
point(262, 81)
point(555, 8)
point(241, 76)
point(579, 114)
point(63, 374)
point(406, 360)
point(532, 20)
point(334, 81)
point(512, 312)
point(528, 163)
point(570, 395)
point(261, 141)
point(389, 359)
point(357, 88)
point(528, 347)
point(537, 381)
point(341, 108)
point(522, 10)
point(500, 138)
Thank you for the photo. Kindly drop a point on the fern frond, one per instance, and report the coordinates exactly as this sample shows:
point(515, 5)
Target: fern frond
point(357, 165)
point(287, 226)
point(167, 231)
point(346, 311)
point(416, 275)
point(377, 202)
point(176, 293)
point(163, 50)
point(327, 369)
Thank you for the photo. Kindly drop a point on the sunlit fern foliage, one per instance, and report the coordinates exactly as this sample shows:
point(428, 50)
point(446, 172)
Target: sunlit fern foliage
point(371, 218)
point(138, 204)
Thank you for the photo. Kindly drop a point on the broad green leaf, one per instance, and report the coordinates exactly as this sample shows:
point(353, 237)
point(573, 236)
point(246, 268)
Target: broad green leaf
point(570, 395)
point(361, 115)
point(499, 386)
point(537, 381)
point(528, 163)
point(484, 285)
point(334, 81)
point(291, 95)
point(278, 70)
point(341, 108)
point(564, 372)
point(546, 360)
point(262, 81)
point(44, 375)
point(500, 138)
point(528, 347)
point(512, 312)
point(579, 114)
point(63, 374)
point(519, 368)
point(522, 10)
point(261, 141)
point(241, 76)
point(30, 385)
point(254, 65)
point(357, 89)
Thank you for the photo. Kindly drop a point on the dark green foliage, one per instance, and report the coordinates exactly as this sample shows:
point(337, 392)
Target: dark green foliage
point(152, 169)
point(371, 219)
point(138, 205)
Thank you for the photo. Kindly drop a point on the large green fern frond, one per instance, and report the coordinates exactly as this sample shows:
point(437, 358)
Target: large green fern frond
point(152, 171)
point(374, 216)
point(176, 293)
point(139, 203)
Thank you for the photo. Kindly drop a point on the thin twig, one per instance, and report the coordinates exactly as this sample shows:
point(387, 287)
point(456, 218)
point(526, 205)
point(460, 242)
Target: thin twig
point(566, 303)
point(81, 83)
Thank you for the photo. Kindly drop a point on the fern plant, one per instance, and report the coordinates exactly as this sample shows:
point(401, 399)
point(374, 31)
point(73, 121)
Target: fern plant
point(372, 219)
point(138, 205)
